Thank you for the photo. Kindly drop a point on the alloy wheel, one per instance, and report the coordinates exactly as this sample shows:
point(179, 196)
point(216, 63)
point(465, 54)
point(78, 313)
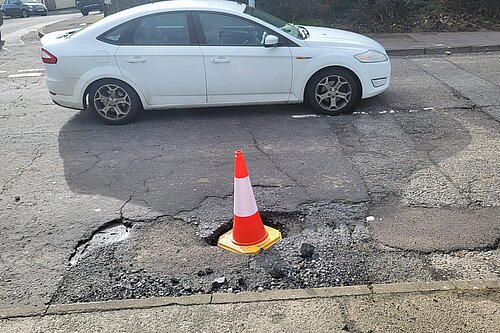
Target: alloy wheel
point(112, 102)
point(333, 93)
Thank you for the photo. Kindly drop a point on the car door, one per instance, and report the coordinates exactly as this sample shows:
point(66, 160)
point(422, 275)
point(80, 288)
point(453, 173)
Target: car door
point(17, 7)
point(8, 8)
point(161, 56)
point(240, 69)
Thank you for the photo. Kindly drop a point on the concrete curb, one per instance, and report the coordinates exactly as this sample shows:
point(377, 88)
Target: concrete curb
point(22, 311)
point(442, 50)
point(250, 297)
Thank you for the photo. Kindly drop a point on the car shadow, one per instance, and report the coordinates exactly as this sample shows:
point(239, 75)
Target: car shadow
point(165, 160)
point(170, 161)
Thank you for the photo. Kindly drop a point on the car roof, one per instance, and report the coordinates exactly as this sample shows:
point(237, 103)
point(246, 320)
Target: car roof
point(199, 4)
point(224, 5)
point(151, 8)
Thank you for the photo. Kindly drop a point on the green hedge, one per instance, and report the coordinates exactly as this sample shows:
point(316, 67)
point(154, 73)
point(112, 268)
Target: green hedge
point(379, 15)
point(118, 5)
point(390, 15)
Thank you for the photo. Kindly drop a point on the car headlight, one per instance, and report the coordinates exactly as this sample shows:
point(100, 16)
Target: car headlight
point(371, 56)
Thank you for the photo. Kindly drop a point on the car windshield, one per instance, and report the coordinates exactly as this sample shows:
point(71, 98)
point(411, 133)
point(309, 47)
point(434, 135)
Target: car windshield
point(289, 28)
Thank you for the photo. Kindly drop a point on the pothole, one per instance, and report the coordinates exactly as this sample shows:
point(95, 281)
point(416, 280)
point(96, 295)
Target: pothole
point(110, 233)
point(288, 223)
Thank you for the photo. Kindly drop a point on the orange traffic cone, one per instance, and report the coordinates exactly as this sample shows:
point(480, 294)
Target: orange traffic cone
point(249, 235)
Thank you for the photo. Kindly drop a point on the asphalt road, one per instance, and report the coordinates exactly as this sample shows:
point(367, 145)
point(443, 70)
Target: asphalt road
point(14, 28)
point(91, 212)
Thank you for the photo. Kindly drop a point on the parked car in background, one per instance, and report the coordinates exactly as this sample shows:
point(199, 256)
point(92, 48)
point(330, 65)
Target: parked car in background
point(178, 54)
point(23, 8)
point(87, 6)
point(1, 22)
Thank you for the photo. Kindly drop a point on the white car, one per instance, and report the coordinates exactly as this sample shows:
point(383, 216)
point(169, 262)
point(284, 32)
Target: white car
point(183, 54)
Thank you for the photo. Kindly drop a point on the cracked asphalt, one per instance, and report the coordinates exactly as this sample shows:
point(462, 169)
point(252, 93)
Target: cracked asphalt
point(420, 161)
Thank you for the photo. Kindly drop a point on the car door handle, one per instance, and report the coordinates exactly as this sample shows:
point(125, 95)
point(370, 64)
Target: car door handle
point(220, 60)
point(136, 60)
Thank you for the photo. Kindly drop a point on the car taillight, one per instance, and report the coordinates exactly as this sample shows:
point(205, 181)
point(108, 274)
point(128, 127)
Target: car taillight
point(48, 58)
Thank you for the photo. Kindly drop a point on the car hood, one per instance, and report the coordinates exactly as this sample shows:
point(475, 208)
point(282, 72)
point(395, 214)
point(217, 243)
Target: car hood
point(327, 37)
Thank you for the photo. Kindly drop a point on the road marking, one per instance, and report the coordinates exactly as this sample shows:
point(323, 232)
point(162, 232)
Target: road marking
point(1, 72)
point(31, 70)
point(299, 116)
point(25, 75)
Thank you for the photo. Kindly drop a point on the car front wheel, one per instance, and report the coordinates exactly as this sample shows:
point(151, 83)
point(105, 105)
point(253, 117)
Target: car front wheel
point(24, 13)
point(114, 101)
point(333, 91)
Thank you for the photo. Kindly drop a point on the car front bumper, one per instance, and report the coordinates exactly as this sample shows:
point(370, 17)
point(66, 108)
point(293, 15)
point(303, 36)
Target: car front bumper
point(37, 11)
point(376, 78)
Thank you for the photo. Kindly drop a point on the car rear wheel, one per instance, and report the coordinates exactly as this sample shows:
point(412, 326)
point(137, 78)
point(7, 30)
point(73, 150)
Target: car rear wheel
point(114, 101)
point(24, 13)
point(85, 12)
point(333, 91)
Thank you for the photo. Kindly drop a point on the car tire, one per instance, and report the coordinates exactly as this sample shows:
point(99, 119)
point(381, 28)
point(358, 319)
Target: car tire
point(333, 91)
point(85, 12)
point(103, 96)
point(24, 13)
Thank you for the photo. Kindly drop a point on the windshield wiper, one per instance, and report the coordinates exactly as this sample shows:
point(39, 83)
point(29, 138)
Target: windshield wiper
point(68, 34)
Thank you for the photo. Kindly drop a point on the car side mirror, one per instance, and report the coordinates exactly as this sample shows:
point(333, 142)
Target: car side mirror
point(271, 41)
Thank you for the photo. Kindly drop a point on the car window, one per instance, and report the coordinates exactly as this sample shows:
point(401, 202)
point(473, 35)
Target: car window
point(161, 29)
point(289, 28)
point(220, 29)
point(115, 35)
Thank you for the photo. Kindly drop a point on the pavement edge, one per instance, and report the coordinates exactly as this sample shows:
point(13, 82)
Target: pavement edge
point(249, 297)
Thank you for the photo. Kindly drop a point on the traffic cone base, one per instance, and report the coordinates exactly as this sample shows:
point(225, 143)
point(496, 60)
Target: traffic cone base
point(226, 242)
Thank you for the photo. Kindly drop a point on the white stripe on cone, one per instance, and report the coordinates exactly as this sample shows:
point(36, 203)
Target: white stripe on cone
point(244, 200)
